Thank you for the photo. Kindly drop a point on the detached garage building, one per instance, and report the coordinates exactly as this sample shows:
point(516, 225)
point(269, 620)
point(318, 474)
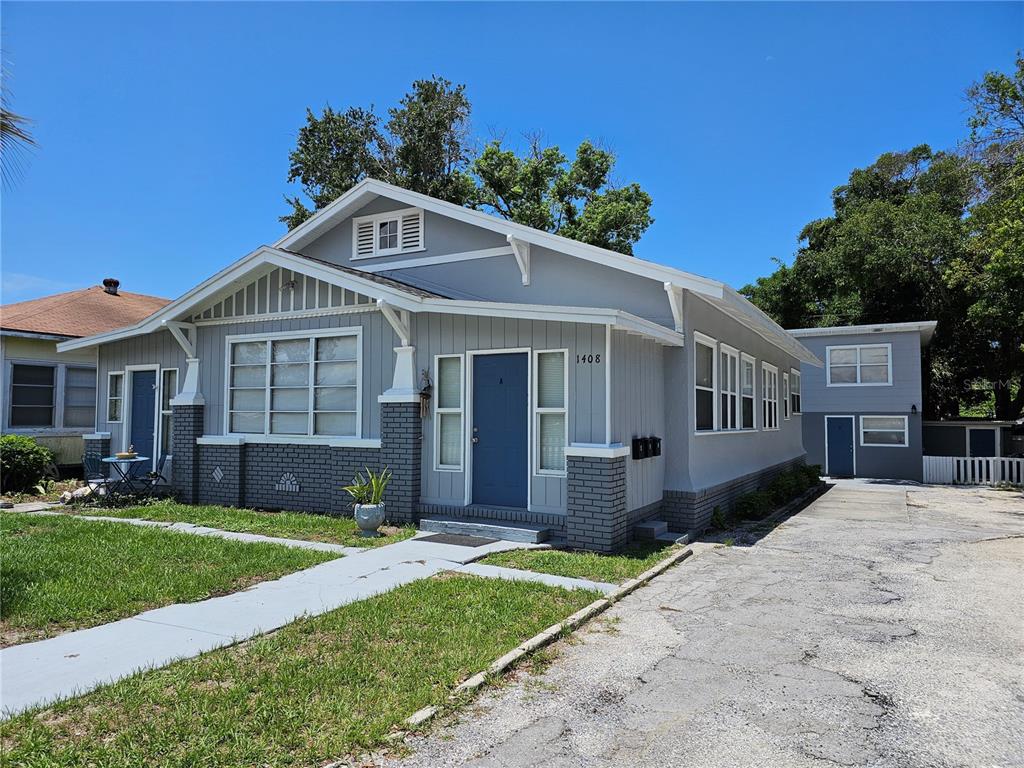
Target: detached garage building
point(862, 411)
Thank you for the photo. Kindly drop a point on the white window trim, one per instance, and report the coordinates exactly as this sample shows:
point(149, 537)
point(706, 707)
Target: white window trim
point(707, 341)
point(354, 330)
point(795, 377)
point(461, 411)
point(379, 218)
point(169, 412)
point(107, 419)
point(732, 352)
point(744, 357)
point(858, 383)
point(906, 432)
point(538, 411)
point(765, 369)
point(786, 407)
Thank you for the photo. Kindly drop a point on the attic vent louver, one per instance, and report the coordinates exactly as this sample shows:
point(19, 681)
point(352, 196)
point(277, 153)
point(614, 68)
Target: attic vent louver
point(110, 285)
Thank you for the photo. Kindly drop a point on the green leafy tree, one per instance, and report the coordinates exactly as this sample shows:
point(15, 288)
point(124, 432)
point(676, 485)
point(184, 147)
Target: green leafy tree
point(542, 189)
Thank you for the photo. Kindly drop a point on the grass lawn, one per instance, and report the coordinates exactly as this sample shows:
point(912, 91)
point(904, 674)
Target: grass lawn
point(610, 569)
point(318, 689)
point(59, 573)
point(287, 525)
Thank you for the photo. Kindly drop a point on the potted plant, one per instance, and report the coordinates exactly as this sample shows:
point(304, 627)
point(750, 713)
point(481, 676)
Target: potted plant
point(368, 495)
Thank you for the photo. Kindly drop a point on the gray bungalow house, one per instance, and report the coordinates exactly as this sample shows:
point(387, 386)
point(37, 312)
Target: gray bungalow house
point(502, 373)
point(862, 412)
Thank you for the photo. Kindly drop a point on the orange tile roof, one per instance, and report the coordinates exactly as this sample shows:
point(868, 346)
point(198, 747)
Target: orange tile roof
point(79, 313)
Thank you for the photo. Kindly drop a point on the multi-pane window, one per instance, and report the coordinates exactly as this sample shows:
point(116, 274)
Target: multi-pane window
point(550, 413)
point(448, 410)
point(387, 235)
point(79, 397)
point(115, 397)
point(747, 392)
point(704, 385)
point(785, 396)
point(729, 375)
point(769, 396)
point(794, 392)
point(864, 365)
point(168, 390)
point(883, 430)
point(33, 394)
point(295, 386)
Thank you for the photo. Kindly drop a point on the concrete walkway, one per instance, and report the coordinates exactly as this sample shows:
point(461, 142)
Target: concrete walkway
point(42, 672)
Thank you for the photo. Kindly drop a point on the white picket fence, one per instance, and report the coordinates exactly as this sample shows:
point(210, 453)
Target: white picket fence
point(959, 470)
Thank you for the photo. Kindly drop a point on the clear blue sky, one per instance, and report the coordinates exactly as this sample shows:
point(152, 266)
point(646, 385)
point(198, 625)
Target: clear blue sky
point(164, 129)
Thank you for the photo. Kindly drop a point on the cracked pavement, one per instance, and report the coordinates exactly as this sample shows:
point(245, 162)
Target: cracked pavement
point(880, 626)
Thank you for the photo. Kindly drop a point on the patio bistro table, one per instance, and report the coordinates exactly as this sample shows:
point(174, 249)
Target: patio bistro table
point(124, 482)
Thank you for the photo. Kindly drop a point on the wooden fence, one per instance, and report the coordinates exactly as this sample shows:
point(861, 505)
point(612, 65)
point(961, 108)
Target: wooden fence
point(958, 470)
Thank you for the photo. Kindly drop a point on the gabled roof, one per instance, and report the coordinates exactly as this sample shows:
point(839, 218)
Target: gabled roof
point(925, 327)
point(78, 313)
point(722, 296)
point(393, 292)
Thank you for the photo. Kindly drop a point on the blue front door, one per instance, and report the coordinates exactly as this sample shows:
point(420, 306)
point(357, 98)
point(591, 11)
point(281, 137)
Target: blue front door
point(142, 430)
point(839, 446)
point(499, 434)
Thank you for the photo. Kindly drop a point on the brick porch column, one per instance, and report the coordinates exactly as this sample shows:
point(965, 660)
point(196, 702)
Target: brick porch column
point(188, 425)
point(596, 515)
point(98, 444)
point(401, 441)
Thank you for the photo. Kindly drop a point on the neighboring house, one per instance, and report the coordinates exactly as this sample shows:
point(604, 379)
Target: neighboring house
point(51, 395)
point(862, 411)
point(501, 372)
point(973, 437)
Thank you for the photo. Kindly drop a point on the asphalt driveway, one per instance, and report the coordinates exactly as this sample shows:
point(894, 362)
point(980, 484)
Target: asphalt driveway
point(882, 626)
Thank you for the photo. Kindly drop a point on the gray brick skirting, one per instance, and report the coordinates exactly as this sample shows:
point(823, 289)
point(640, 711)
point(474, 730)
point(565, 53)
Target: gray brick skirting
point(188, 425)
point(690, 511)
point(553, 520)
point(596, 515)
point(99, 447)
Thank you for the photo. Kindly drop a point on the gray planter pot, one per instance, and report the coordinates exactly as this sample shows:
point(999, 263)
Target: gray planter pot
point(369, 517)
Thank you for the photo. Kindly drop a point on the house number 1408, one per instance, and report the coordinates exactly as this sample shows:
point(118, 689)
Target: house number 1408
point(588, 359)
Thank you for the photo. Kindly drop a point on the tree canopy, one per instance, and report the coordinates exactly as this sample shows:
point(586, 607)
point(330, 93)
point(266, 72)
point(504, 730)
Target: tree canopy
point(425, 145)
point(928, 235)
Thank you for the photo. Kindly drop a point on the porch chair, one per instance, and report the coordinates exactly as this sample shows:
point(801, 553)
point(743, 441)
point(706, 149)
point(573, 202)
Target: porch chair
point(155, 478)
point(93, 472)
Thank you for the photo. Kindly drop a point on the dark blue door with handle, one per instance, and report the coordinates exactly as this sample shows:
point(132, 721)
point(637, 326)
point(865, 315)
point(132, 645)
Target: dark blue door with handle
point(142, 429)
point(499, 429)
point(839, 441)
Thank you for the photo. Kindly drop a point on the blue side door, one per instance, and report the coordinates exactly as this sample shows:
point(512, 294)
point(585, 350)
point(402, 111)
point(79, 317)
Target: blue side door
point(982, 442)
point(142, 429)
point(839, 439)
point(499, 431)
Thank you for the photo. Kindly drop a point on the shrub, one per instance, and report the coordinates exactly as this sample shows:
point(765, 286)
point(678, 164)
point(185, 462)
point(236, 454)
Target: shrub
point(785, 486)
point(753, 506)
point(719, 520)
point(23, 463)
point(812, 472)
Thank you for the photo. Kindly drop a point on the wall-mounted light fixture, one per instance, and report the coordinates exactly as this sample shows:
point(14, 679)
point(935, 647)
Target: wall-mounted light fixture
point(913, 409)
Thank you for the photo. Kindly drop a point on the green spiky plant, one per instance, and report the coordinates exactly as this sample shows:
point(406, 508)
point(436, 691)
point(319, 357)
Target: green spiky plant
point(369, 490)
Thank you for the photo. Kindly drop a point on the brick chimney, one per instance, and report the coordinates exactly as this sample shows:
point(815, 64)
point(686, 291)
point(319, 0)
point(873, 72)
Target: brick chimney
point(110, 285)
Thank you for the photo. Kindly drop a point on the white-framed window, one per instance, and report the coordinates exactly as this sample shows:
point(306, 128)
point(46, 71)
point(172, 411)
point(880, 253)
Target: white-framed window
point(888, 431)
point(551, 425)
point(385, 234)
point(729, 375)
point(51, 396)
point(769, 396)
point(858, 365)
point(168, 390)
point(747, 377)
point(115, 397)
point(705, 369)
point(300, 383)
point(794, 392)
point(448, 409)
point(785, 396)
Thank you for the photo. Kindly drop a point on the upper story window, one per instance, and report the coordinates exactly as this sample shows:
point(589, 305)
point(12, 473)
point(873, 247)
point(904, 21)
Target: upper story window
point(52, 396)
point(385, 234)
point(863, 365)
point(295, 384)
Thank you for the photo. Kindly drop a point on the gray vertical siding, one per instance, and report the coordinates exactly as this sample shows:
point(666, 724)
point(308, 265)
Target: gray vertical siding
point(436, 334)
point(638, 410)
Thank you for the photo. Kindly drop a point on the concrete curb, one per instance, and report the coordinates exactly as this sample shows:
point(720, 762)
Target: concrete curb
point(544, 638)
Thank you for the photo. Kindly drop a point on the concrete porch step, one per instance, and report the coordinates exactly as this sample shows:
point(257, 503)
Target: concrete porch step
point(650, 529)
point(528, 534)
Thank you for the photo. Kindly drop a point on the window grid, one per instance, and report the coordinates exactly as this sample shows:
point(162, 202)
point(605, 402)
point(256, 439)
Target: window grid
point(794, 392)
point(33, 396)
point(883, 431)
point(769, 396)
point(447, 413)
point(168, 390)
point(705, 368)
point(730, 371)
point(115, 396)
point(747, 366)
point(551, 423)
point(859, 365)
point(785, 396)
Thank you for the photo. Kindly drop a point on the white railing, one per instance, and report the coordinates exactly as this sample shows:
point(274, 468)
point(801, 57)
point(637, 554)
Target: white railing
point(959, 470)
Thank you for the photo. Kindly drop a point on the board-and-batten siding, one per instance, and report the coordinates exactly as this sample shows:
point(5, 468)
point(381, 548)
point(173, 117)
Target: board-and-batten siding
point(436, 334)
point(638, 410)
